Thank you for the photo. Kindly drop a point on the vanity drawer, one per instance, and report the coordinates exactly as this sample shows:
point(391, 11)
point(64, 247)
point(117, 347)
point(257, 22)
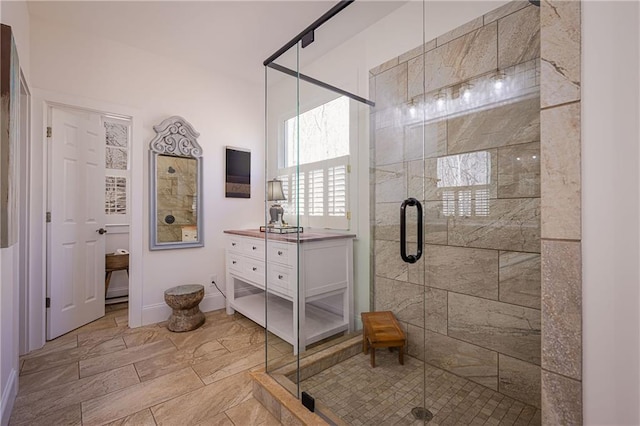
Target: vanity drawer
point(234, 262)
point(235, 244)
point(281, 279)
point(253, 270)
point(283, 254)
point(253, 247)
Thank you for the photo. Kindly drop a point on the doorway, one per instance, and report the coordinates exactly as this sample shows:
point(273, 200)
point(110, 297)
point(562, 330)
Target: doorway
point(87, 203)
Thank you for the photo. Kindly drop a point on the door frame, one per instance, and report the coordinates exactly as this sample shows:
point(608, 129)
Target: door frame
point(24, 202)
point(42, 100)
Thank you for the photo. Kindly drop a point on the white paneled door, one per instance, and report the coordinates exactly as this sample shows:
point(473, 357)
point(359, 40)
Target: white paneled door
point(76, 231)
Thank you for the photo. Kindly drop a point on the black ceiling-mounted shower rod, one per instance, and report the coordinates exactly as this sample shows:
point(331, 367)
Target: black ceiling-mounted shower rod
point(307, 37)
point(319, 83)
point(307, 34)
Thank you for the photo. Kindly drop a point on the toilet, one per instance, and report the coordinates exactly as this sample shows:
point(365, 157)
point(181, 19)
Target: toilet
point(184, 300)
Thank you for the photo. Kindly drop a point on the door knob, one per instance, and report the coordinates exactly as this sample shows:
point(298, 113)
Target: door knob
point(101, 231)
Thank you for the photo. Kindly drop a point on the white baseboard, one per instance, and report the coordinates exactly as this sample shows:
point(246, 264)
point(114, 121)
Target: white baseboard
point(117, 292)
point(8, 397)
point(114, 300)
point(159, 312)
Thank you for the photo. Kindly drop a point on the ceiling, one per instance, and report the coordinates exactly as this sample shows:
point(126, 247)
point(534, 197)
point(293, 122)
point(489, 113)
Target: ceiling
point(229, 37)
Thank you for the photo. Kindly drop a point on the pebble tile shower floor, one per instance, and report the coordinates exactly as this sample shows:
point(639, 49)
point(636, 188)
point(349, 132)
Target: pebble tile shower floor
point(386, 395)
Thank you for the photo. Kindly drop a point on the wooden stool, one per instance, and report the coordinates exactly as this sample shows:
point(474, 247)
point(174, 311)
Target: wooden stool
point(381, 330)
point(184, 300)
point(114, 262)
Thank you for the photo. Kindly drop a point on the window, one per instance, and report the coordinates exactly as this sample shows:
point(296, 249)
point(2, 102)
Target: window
point(316, 170)
point(337, 191)
point(117, 138)
point(116, 195)
point(465, 181)
point(324, 133)
point(117, 169)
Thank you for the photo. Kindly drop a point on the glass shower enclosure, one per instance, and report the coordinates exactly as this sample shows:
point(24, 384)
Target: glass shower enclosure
point(402, 146)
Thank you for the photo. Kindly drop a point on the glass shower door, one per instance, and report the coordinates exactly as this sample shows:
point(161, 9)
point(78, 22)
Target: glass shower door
point(383, 213)
point(478, 175)
point(309, 271)
point(281, 227)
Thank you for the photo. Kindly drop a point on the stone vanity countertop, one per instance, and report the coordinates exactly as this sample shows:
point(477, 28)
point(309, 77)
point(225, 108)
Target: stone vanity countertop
point(290, 238)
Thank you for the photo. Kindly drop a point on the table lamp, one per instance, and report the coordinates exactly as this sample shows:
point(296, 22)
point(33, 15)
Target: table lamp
point(275, 193)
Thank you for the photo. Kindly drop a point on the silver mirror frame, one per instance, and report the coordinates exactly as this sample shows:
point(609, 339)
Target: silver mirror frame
point(176, 137)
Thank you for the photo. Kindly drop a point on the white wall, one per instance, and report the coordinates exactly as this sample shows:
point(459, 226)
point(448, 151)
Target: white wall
point(8, 323)
point(225, 112)
point(611, 212)
point(16, 15)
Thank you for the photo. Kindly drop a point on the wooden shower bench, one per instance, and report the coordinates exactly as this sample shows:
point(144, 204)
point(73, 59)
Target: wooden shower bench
point(381, 330)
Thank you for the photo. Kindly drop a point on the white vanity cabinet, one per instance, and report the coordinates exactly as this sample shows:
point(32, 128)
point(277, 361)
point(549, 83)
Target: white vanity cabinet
point(259, 268)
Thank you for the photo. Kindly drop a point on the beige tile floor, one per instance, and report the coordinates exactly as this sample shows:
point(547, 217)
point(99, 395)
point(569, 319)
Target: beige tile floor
point(385, 395)
point(107, 373)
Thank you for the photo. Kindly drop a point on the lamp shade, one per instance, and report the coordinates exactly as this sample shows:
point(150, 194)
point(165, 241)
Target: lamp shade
point(274, 190)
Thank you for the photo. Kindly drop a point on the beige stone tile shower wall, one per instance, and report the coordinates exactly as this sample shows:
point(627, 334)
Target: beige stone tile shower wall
point(472, 306)
point(561, 210)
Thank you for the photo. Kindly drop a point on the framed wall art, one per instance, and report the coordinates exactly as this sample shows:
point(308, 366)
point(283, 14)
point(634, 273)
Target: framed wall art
point(9, 118)
point(238, 173)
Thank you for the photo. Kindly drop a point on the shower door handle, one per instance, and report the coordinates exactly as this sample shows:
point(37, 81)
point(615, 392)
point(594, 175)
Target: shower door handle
point(411, 258)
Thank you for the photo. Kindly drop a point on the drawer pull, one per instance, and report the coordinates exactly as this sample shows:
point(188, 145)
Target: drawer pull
point(233, 244)
point(280, 277)
point(279, 253)
point(254, 268)
point(254, 247)
point(234, 262)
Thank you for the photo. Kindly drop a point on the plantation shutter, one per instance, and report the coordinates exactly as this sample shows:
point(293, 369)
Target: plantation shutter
point(323, 193)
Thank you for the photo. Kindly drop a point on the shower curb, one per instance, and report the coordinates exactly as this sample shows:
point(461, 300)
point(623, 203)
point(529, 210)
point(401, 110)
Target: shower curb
point(282, 404)
point(276, 390)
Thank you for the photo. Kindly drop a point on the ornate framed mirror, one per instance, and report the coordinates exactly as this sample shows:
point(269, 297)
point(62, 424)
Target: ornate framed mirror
point(175, 192)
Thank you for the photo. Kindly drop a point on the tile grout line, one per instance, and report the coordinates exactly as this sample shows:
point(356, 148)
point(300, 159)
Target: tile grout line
point(561, 240)
point(560, 374)
point(562, 104)
point(153, 415)
point(199, 378)
point(136, 370)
